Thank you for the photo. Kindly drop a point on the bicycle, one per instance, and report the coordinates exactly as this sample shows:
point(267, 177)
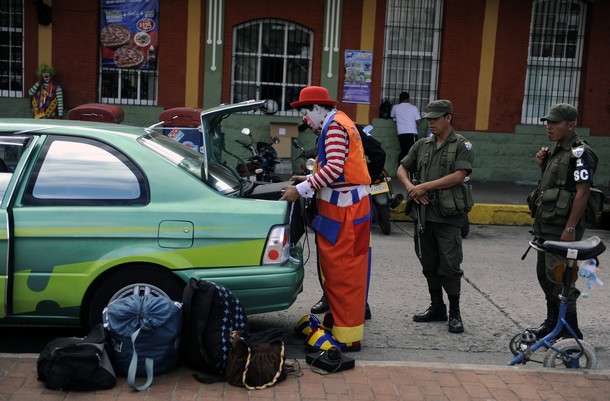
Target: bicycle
point(571, 353)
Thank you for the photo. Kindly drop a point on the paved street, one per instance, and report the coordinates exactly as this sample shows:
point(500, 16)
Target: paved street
point(500, 297)
point(402, 360)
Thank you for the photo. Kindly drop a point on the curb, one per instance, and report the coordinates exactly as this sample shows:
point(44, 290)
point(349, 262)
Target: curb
point(483, 213)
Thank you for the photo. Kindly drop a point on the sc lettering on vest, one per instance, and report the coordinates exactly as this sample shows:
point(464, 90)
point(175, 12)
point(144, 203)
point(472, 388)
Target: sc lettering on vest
point(581, 175)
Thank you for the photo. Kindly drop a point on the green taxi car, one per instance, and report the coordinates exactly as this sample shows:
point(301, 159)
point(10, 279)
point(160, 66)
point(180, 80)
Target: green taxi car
point(93, 211)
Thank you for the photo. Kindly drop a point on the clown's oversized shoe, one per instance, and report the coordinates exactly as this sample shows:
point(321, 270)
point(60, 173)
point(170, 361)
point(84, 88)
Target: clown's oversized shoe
point(323, 340)
point(306, 325)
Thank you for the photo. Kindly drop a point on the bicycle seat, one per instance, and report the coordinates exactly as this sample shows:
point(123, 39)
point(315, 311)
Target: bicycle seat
point(579, 250)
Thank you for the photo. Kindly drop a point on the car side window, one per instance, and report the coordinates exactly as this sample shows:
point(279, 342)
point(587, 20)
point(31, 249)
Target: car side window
point(84, 172)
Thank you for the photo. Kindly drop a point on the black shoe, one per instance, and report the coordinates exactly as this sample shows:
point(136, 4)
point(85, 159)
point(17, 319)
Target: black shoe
point(437, 313)
point(367, 312)
point(545, 328)
point(321, 306)
point(455, 324)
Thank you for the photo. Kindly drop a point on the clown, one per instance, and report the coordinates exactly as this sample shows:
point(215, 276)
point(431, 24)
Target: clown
point(342, 225)
point(47, 95)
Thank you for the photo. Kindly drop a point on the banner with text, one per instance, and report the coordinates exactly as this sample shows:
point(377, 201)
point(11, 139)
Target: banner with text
point(129, 33)
point(358, 73)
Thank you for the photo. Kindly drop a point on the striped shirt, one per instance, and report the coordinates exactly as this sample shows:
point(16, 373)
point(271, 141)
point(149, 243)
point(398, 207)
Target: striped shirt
point(336, 148)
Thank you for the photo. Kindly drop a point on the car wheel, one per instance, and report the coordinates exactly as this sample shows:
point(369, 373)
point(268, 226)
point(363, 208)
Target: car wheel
point(132, 280)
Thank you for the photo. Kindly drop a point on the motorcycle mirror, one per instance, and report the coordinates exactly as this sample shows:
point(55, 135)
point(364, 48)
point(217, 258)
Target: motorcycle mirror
point(309, 164)
point(245, 131)
point(275, 139)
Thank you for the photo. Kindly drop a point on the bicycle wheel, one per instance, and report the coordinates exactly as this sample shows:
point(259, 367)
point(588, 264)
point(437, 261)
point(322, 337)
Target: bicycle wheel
point(515, 344)
point(558, 357)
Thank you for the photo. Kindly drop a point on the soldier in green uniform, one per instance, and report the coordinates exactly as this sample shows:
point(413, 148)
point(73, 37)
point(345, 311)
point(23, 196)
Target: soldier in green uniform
point(433, 172)
point(558, 205)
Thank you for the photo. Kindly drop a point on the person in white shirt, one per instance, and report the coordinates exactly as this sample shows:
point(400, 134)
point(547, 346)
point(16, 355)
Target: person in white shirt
point(407, 117)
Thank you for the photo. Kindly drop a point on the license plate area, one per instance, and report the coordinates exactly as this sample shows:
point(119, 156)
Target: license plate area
point(379, 188)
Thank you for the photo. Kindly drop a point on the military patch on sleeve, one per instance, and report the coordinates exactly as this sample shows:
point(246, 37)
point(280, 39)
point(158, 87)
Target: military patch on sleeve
point(583, 173)
point(578, 151)
point(468, 145)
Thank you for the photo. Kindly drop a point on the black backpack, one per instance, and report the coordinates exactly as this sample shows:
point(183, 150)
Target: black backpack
point(211, 313)
point(77, 364)
point(385, 109)
point(373, 151)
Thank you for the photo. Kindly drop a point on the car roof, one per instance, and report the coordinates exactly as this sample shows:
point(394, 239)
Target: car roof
point(23, 126)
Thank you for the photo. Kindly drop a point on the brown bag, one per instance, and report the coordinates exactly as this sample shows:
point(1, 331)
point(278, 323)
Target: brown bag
point(257, 360)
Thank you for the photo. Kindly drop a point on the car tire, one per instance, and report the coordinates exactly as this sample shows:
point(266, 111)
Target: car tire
point(130, 280)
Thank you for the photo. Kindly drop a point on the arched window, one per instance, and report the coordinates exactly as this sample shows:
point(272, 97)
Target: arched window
point(271, 60)
point(555, 56)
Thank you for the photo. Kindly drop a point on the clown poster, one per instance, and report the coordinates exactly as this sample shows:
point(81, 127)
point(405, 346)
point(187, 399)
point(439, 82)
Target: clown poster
point(358, 72)
point(129, 33)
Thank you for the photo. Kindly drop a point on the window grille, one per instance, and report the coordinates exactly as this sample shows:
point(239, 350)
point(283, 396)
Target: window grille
point(271, 60)
point(412, 50)
point(11, 48)
point(555, 56)
point(129, 86)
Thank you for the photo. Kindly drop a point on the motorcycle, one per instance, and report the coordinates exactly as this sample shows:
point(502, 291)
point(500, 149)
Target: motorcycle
point(308, 157)
point(260, 166)
point(384, 200)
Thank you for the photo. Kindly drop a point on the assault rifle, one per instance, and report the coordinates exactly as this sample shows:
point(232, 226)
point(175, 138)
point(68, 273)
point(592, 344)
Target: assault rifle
point(420, 209)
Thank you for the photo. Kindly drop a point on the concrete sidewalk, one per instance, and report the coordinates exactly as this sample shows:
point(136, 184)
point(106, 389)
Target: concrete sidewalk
point(367, 381)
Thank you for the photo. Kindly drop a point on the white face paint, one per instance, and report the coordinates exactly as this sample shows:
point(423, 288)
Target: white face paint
point(314, 118)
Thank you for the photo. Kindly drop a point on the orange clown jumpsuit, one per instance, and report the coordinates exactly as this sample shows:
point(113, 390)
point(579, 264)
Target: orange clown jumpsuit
point(343, 234)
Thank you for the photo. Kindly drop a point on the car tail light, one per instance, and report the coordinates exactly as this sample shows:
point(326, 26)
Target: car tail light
point(277, 249)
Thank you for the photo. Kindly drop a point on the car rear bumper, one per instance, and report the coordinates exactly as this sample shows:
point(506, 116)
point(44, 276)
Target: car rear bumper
point(260, 289)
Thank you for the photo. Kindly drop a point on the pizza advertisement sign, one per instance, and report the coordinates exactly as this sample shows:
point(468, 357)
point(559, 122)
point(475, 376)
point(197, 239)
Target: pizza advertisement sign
point(129, 33)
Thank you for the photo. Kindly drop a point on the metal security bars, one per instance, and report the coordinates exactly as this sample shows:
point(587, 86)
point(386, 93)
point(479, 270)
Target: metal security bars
point(11, 48)
point(128, 86)
point(412, 50)
point(271, 60)
point(555, 56)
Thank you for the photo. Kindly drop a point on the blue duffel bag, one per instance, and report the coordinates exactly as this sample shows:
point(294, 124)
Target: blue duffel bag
point(145, 336)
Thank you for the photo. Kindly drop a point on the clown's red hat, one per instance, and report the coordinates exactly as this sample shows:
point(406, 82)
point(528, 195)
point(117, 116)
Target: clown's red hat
point(313, 95)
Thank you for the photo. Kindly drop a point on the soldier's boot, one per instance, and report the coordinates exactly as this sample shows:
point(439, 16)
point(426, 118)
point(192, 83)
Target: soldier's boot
point(549, 323)
point(455, 324)
point(572, 320)
point(437, 312)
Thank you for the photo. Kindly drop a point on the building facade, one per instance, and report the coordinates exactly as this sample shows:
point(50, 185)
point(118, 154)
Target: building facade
point(501, 62)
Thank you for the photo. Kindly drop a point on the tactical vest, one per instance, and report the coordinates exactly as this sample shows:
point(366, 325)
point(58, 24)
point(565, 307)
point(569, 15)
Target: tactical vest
point(451, 201)
point(355, 170)
point(551, 202)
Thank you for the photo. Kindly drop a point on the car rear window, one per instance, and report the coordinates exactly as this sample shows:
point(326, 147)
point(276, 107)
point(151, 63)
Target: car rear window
point(219, 178)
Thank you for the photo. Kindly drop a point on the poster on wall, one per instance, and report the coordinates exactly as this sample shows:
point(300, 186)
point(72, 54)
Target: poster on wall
point(129, 33)
point(358, 72)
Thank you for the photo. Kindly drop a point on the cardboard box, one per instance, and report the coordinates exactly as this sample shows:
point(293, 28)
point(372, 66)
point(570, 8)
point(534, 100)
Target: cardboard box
point(285, 132)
